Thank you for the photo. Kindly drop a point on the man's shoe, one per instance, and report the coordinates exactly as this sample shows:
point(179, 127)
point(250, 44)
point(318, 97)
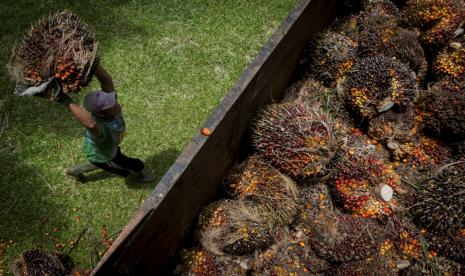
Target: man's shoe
point(79, 170)
point(143, 177)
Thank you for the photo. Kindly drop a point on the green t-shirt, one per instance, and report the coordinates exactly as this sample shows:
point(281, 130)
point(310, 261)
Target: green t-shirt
point(103, 149)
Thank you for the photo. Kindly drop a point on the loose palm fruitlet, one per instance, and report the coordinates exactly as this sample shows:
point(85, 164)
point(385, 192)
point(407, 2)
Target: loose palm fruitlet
point(275, 195)
point(296, 139)
point(37, 262)
point(440, 204)
point(333, 55)
point(377, 84)
point(365, 186)
point(438, 20)
point(442, 113)
point(200, 262)
point(60, 46)
point(233, 227)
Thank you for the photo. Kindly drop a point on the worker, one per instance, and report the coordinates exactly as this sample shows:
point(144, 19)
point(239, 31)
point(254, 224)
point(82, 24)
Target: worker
point(104, 132)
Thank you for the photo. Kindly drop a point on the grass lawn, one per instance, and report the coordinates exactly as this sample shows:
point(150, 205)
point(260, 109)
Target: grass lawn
point(171, 61)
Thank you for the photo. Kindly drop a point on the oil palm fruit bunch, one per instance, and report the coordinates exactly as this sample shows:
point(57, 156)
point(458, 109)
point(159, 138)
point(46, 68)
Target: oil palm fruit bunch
point(306, 91)
point(37, 262)
point(378, 36)
point(60, 47)
point(394, 129)
point(377, 84)
point(443, 113)
point(296, 139)
point(291, 255)
point(343, 238)
point(423, 155)
point(274, 194)
point(449, 67)
point(449, 245)
point(438, 20)
point(199, 262)
point(380, 7)
point(365, 186)
point(435, 265)
point(333, 55)
point(440, 205)
point(232, 227)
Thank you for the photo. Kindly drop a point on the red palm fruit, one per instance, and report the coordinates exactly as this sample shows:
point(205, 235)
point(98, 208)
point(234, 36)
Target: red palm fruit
point(296, 139)
point(332, 56)
point(438, 20)
point(275, 195)
point(377, 84)
point(233, 227)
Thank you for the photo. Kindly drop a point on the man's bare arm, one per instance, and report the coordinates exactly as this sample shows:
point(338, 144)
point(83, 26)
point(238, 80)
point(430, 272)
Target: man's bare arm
point(84, 118)
point(106, 83)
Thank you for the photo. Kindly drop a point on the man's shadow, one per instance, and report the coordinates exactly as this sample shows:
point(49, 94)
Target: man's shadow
point(157, 165)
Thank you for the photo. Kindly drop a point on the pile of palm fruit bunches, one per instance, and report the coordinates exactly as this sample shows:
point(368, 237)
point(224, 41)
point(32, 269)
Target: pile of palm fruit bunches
point(361, 169)
point(59, 51)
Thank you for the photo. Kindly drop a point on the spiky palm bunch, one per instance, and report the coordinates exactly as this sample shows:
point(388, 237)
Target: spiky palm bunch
point(199, 262)
point(440, 204)
point(344, 238)
point(356, 181)
point(38, 262)
point(333, 55)
point(275, 195)
point(296, 139)
point(61, 46)
point(306, 91)
point(394, 128)
point(380, 7)
point(438, 20)
point(449, 67)
point(233, 227)
point(443, 113)
point(423, 155)
point(377, 84)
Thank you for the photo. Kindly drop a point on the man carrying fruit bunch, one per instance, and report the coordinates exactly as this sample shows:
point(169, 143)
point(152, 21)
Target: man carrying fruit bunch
point(104, 131)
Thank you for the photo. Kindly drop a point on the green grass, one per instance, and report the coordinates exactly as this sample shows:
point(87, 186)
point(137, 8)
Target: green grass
point(171, 61)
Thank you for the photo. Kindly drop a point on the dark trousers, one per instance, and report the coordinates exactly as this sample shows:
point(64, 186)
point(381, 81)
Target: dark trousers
point(121, 165)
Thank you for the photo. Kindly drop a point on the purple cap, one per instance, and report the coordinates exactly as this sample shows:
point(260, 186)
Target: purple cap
point(99, 100)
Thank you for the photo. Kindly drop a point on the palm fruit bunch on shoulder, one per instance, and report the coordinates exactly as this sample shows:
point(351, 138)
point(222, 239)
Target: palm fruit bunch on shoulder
point(340, 238)
point(438, 20)
point(377, 84)
point(442, 113)
point(440, 205)
point(333, 54)
point(60, 47)
point(275, 196)
point(291, 255)
point(232, 227)
point(37, 262)
point(296, 139)
point(449, 67)
point(435, 265)
point(393, 129)
point(365, 186)
point(199, 262)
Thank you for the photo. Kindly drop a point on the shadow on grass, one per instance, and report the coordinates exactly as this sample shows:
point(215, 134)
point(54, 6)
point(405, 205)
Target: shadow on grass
point(156, 165)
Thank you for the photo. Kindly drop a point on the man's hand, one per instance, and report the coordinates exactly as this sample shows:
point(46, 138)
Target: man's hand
point(64, 99)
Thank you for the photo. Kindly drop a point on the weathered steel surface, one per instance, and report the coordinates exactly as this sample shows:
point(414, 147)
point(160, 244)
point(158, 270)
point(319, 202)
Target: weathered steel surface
point(149, 242)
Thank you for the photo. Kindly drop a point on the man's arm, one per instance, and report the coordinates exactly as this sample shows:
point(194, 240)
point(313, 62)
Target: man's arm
point(80, 114)
point(106, 83)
